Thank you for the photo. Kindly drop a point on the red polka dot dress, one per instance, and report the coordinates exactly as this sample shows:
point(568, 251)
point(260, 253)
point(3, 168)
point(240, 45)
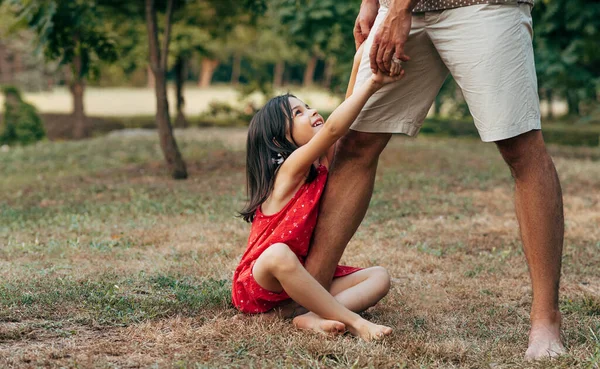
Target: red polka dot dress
point(292, 225)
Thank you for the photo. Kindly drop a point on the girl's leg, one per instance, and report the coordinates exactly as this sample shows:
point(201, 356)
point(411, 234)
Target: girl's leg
point(361, 290)
point(278, 268)
point(357, 292)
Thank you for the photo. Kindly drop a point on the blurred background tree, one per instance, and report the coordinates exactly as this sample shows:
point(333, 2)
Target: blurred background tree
point(258, 45)
point(566, 40)
point(263, 46)
point(76, 34)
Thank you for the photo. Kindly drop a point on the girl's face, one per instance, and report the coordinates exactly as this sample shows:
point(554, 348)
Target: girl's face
point(307, 122)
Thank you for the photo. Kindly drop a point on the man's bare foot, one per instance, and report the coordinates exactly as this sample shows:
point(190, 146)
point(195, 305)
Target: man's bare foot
point(369, 331)
point(315, 323)
point(544, 339)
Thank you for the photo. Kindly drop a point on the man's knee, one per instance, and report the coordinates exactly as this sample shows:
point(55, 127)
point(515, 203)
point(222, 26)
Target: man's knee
point(523, 151)
point(362, 146)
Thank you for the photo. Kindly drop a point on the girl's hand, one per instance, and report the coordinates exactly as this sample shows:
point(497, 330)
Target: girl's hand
point(381, 78)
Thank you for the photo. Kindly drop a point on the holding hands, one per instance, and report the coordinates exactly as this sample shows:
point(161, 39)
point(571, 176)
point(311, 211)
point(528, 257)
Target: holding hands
point(387, 51)
point(381, 78)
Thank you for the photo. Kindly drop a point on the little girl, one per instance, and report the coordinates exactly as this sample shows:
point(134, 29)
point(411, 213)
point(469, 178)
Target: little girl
point(289, 151)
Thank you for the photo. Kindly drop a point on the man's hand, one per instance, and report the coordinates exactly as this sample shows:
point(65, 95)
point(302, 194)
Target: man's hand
point(390, 39)
point(364, 21)
point(380, 79)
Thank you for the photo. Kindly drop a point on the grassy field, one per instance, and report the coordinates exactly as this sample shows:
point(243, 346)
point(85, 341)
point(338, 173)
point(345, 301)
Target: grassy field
point(105, 262)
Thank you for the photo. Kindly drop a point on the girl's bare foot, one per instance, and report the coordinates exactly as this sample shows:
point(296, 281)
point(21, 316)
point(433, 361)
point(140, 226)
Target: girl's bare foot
point(316, 323)
point(369, 331)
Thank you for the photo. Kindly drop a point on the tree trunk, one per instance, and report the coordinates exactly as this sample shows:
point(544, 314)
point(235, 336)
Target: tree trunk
point(236, 69)
point(158, 63)
point(329, 65)
point(278, 74)
point(77, 87)
point(309, 72)
point(180, 63)
point(549, 98)
point(573, 103)
point(5, 73)
point(18, 63)
point(207, 71)
point(437, 106)
point(149, 77)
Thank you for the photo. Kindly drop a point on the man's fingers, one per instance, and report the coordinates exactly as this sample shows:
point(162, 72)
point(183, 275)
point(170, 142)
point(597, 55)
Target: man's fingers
point(382, 63)
point(358, 36)
point(373, 56)
point(399, 53)
point(361, 32)
point(358, 40)
point(365, 29)
point(387, 60)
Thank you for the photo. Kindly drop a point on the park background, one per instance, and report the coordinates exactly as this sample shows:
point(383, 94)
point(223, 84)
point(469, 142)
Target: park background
point(107, 261)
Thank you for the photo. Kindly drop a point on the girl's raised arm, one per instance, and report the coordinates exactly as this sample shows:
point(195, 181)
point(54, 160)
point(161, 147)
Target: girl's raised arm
point(339, 122)
point(355, 65)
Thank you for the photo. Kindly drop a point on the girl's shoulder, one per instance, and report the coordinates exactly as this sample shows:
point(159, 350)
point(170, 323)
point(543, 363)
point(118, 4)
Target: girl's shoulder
point(284, 192)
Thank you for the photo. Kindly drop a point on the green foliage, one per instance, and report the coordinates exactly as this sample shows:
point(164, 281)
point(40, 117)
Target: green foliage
point(207, 27)
point(21, 123)
point(566, 48)
point(70, 31)
point(322, 28)
point(313, 23)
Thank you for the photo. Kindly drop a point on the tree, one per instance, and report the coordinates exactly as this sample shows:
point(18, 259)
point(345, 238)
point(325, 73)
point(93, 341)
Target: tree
point(158, 57)
point(181, 11)
point(187, 39)
point(221, 25)
point(76, 34)
point(566, 50)
point(324, 28)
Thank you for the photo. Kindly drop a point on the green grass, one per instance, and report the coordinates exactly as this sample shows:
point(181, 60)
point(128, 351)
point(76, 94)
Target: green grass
point(111, 299)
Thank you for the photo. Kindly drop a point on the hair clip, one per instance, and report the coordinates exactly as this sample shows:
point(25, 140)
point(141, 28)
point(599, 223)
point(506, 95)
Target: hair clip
point(277, 161)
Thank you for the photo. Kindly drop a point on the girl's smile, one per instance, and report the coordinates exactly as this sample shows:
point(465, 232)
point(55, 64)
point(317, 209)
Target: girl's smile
point(306, 121)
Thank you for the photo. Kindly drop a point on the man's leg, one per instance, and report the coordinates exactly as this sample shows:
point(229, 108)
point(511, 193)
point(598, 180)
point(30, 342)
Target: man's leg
point(538, 203)
point(345, 201)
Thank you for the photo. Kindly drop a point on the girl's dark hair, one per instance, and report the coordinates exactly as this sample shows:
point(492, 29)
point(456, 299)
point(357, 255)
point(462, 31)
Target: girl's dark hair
point(266, 139)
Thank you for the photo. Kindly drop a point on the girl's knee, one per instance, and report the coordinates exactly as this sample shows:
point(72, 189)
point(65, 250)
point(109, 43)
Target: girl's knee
point(280, 258)
point(381, 275)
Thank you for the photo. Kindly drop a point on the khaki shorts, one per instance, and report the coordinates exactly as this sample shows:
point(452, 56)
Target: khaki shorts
point(487, 49)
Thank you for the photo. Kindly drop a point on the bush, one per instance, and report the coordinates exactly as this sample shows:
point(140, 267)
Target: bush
point(223, 110)
point(21, 123)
